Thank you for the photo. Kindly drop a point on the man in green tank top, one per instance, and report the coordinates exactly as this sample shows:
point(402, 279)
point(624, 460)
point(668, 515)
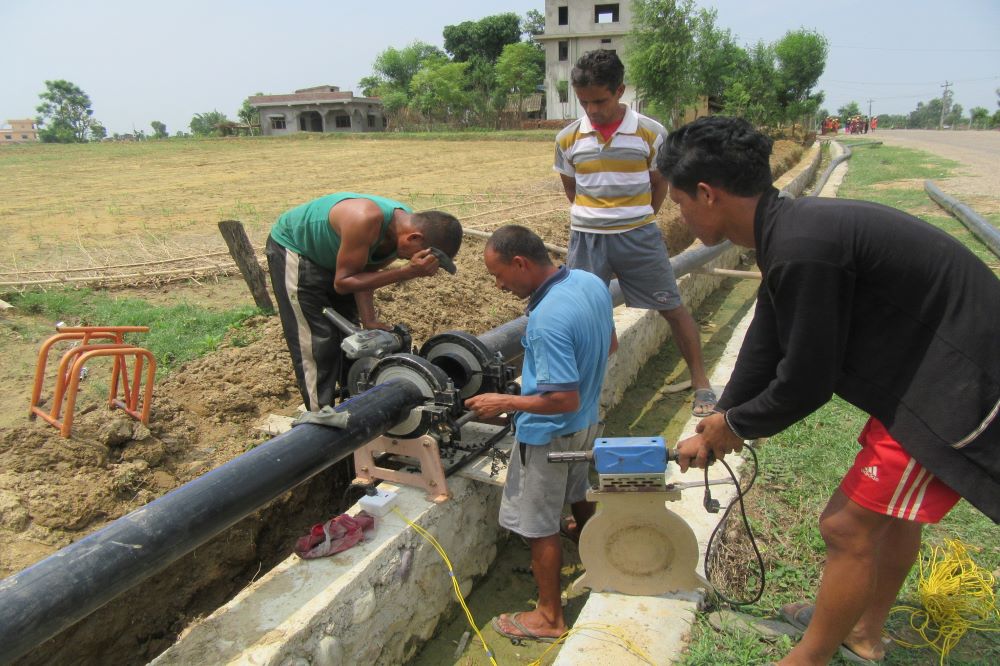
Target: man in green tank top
point(335, 251)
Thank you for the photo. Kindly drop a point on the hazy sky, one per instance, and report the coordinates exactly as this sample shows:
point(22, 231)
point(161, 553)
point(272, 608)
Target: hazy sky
point(142, 61)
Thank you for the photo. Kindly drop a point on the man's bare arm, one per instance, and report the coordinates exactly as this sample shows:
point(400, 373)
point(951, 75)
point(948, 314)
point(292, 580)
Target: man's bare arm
point(659, 187)
point(569, 186)
point(359, 229)
point(488, 405)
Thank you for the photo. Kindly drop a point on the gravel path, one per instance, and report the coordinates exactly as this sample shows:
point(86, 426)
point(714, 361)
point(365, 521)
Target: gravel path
point(977, 181)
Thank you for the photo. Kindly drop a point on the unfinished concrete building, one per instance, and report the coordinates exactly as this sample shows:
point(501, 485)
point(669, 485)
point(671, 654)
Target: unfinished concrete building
point(573, 27)
point(318, 109)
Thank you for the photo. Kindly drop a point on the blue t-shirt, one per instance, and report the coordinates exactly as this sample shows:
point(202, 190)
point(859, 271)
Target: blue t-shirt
point(566, 347)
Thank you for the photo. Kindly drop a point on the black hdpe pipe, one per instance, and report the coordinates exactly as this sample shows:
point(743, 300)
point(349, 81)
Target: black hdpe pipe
point(48, 597)
point(506, 338)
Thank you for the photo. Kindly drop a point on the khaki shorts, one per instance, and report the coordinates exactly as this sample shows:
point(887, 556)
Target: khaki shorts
point(536, 490)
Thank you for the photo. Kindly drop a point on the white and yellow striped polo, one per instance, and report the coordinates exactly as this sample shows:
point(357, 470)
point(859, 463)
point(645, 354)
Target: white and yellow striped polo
point(613, 192)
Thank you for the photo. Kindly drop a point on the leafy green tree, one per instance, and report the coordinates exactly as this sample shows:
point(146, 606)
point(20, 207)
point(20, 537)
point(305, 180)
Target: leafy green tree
point(926, 115)
point(159, 130)
point(97, 131)
point(208, 124)
point(751, 89)
point(485, 37)
point(659, 59)
point(395, 68)
point(249, 115)
point(953, 117)
point(438, 91)
point(64, 113)
point(979, 117)
point(392, 74)
point(533, 23)
point(847, 111)
point(715, 55)
point(801, 56)
point(520, 70)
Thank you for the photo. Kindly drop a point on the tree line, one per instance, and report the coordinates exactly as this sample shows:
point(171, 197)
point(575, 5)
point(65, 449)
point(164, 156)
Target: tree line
point(675, 56)
point(938, 112)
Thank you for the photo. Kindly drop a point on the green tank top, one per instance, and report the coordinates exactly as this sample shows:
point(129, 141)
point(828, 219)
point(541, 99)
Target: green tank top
point(306, 230)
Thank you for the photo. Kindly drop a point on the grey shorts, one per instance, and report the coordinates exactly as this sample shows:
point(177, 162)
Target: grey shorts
point(536, 490)
point(638, 258)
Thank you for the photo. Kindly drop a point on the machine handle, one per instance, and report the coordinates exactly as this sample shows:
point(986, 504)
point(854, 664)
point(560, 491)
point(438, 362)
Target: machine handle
point(570, 456)
point(340, 321)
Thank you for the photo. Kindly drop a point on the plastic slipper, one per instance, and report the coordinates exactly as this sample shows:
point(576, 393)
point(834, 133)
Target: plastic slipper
point(525, 635)
point(799, 614)
point(704, 402)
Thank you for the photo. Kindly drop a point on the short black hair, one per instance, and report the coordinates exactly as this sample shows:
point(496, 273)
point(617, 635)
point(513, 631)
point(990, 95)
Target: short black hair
point(514, 240)
point(441, 230)
point(599, 68)
point(718, 150)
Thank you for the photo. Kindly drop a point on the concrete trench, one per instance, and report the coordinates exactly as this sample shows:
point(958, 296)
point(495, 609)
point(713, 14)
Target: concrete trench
point(381, 600)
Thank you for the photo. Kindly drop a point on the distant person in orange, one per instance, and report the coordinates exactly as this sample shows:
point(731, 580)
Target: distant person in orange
point(874, 123)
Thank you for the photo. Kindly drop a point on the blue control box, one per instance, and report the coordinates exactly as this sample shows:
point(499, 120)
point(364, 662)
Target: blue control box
point(630, 455)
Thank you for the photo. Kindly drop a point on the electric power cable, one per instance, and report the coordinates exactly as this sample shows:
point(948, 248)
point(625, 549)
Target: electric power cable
point(740, 493)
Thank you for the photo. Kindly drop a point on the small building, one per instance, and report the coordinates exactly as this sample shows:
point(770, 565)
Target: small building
point(318, 109)
point(19, 131)
point(572, 28)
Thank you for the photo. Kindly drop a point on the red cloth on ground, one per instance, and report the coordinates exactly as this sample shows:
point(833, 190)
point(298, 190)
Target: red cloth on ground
point(335, 535)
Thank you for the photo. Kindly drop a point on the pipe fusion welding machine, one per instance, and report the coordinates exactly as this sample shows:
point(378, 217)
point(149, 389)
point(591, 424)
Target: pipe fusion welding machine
point(634, 544)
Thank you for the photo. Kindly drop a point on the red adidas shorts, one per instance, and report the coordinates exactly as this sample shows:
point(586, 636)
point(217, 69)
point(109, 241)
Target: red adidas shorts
point(885, 479)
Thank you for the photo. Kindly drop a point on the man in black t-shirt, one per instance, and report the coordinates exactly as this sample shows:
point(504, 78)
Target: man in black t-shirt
point(880, 308)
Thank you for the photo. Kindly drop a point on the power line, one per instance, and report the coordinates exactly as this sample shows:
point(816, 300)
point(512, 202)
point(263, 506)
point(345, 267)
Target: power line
point(919, 50)
point(912, 83)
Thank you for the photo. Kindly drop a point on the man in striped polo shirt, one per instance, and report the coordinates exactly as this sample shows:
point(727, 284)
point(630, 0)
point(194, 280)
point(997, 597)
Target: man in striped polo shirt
point(607, 162)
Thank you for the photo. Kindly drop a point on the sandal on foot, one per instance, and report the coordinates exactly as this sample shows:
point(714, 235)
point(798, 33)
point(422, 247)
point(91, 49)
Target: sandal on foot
point(800, 614)
point(525, 633)
point(704, 402)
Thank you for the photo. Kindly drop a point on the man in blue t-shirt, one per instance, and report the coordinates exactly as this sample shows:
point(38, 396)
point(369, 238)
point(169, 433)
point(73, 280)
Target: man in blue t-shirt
point(569, 336)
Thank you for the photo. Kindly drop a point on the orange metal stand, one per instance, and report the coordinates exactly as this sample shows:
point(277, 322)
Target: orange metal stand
point(72, 362)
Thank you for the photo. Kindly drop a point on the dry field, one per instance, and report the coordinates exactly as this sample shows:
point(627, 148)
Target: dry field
point(70, 207)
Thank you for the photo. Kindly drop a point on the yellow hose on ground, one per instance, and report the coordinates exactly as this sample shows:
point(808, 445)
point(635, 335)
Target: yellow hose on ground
point(957, 597)
point(591, 627)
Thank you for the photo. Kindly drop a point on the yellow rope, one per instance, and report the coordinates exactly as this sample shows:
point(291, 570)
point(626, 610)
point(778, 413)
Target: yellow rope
point(957, 597)
point(454, 581)
point(593, 627)
point(599, 628)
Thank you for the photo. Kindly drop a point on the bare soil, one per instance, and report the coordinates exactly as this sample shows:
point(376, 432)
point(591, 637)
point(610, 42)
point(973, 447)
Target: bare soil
point(54, 491)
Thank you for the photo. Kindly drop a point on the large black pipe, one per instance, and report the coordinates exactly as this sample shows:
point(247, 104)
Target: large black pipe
point(506, 338)
point(46, 598)
point(50, 596)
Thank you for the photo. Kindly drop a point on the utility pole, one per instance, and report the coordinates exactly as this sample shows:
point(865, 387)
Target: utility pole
point(870, 100)
point(944, 103)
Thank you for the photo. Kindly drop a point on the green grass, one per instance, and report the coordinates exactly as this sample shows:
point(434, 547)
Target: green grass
point(177, 333)
point(801, 467)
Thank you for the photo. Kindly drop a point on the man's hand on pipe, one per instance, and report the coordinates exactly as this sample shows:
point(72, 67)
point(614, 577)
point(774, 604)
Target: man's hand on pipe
point(488, 405)
point(713, 438)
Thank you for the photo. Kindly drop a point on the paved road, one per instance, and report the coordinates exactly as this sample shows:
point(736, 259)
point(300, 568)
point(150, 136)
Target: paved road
point(977, 181)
